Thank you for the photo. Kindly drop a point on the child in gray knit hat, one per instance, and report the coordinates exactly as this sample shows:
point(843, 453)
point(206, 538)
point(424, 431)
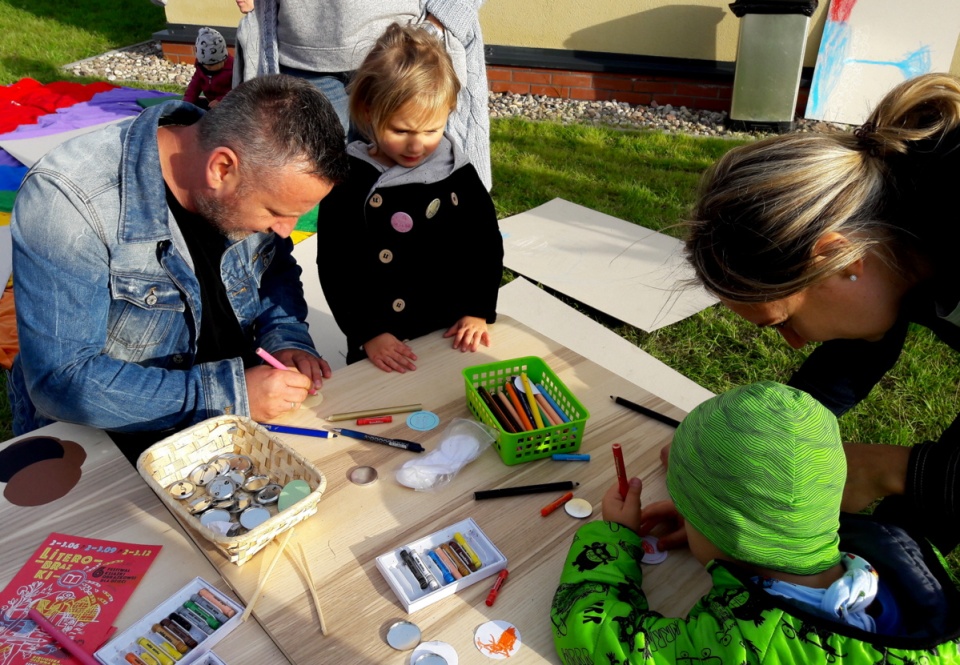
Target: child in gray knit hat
point(213, 77)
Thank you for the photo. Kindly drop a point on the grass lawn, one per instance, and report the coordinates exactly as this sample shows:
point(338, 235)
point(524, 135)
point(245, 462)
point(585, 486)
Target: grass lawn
point(646, 178)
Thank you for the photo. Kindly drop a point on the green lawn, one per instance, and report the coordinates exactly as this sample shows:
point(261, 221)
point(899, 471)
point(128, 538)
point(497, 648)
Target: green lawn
point(646, 178)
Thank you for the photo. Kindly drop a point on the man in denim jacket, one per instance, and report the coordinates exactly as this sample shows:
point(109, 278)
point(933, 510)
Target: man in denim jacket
point(153, 256)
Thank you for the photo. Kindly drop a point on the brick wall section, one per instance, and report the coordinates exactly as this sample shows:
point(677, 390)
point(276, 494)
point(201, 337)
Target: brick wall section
point(182, 54)
point(592, 86)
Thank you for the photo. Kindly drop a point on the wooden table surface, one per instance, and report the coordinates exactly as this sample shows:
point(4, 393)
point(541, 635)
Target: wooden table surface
point(355, 524)
point(112, 502)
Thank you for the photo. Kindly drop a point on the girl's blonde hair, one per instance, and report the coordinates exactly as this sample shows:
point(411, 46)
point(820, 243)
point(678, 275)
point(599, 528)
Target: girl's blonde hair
point(406, 65)
point(763, 207)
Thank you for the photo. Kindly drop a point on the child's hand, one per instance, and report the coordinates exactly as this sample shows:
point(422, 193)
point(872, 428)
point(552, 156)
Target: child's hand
point(469, 332)
point(664, 512)
point(624, 511)
point(390, 354)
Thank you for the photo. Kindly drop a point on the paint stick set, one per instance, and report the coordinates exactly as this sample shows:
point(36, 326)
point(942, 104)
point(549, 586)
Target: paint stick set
point(436, 566)
point(188, 623)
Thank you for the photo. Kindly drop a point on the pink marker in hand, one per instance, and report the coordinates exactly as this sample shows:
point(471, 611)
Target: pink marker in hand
point(276, 364)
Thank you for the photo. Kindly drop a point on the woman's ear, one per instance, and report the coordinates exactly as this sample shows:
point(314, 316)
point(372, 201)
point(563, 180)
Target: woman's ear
point(829, 243)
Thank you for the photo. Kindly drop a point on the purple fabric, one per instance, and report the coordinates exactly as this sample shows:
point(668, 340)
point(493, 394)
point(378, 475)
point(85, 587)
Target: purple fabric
point(6, 159)
point(103, 107)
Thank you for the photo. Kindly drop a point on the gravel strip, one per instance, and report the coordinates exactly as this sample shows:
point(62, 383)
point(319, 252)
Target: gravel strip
point(145, 63)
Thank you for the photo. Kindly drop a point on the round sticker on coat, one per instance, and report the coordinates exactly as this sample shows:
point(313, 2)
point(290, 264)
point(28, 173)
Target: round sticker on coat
point(401, 222)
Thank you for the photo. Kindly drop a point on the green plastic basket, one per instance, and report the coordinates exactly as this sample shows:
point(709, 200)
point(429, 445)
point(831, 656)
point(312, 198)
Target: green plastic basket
point(538, 443)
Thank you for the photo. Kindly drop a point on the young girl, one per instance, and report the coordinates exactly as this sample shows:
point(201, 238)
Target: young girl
point(410, 240)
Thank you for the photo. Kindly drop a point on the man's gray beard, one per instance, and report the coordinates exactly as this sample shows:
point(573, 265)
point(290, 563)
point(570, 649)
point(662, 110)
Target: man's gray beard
point(219, 215)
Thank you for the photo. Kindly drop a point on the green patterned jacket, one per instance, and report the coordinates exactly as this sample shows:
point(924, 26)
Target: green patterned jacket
point(600, 614)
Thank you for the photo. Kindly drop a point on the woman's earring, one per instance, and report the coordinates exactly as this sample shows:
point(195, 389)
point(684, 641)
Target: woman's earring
point(853, 278)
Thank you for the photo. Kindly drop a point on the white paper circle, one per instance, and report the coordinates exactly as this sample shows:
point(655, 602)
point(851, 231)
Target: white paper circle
point(579, 508)
point(442, 649)
point(497, 639)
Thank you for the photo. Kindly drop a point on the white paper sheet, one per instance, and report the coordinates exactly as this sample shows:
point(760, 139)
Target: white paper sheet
point(619, 268)
point(29, 151)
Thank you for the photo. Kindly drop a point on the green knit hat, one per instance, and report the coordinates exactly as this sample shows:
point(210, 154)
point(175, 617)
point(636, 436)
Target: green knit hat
point(759, 471)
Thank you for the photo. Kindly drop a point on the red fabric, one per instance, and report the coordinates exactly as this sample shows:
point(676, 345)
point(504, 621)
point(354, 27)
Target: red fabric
point(26, 100)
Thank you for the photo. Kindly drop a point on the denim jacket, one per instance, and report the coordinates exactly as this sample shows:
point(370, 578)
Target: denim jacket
point(108, 306)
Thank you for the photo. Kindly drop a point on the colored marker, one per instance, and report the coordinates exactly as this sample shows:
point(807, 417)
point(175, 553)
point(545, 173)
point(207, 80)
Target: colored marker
point(525, 489)
point(62, 639)
point(570, 457)
point(556, 407)
point(621, 470)
point(549, 508)
point(377, 420)
point(649, 413)
point(412, 446)
point(300, 431)
point(492, 596)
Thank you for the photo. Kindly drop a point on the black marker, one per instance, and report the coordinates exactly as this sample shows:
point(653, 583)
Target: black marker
point(412, 446)
point(524, 489)
point(649, 413)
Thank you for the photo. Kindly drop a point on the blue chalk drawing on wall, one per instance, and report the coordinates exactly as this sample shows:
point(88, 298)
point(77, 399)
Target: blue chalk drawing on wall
point(833, 58)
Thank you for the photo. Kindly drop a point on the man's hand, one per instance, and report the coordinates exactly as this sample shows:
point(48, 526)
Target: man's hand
point(316, 369)
point(273, 392)
point(625, 511)
point(468, 333)
point(664, 512)
point(390, 354)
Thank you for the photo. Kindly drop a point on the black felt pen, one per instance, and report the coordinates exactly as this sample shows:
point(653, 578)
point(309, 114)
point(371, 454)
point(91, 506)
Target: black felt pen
point(412, 446)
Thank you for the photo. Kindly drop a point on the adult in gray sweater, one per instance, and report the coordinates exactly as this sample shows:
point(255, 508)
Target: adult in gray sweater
point(326, 41)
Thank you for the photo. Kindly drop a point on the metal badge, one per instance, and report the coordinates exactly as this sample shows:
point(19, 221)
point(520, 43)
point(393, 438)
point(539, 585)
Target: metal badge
point(256, 483)
point(182, 489)
point(236, 477)
point(222, 463)
point(269, 494)
point(241, 463)
point(203, 474)
point(222, 488)
point(241, 502)
point(254, 517)
point(214, 516)
point(225, 504)
point(200, 504)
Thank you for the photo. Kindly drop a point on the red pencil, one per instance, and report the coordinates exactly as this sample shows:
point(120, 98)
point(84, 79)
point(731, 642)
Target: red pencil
point(621, 470)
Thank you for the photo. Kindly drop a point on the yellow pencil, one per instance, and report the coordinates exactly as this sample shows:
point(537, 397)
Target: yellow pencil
point(531, 400)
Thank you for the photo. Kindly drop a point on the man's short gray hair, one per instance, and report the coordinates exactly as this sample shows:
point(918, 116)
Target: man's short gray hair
point(276, 121)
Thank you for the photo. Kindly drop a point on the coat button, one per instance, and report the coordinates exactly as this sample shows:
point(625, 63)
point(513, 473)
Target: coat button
point(178, 359)
point(376, 200)
point(386, 256)
point(398, 305)
point(433, 208)
point(454, 199)
point(151, 298)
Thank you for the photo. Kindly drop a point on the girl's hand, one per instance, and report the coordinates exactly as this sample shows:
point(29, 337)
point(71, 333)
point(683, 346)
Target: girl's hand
point(468, 333)
point(624, 511)
point(390, 354)
point(664, 512)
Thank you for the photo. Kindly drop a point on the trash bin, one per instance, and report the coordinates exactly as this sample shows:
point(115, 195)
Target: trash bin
point(773, 34)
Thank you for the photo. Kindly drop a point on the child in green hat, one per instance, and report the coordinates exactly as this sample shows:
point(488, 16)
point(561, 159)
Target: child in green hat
point(758, 474)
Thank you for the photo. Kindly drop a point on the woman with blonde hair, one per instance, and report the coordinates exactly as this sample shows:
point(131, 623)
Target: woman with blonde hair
point(845, 238)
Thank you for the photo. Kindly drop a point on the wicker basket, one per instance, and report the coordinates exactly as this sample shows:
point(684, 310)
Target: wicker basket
point(173, 458)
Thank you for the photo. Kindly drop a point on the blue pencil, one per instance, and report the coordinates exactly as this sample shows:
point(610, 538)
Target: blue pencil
point(302, 431)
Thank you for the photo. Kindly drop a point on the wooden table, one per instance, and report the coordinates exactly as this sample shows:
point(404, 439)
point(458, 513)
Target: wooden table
point(112, 502)
point(355, 524)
